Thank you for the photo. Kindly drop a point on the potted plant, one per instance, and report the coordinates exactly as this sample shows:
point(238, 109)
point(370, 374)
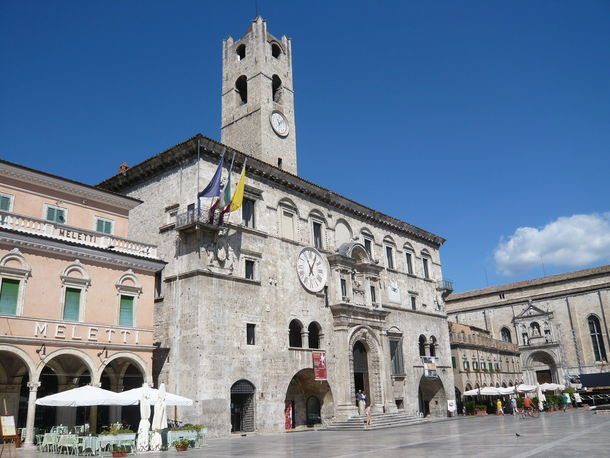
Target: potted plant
point(182, 444)
point(119, 450)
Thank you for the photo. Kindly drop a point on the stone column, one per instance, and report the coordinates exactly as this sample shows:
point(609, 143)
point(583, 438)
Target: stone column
point(343, 387)
point(305, 338)
point(93, 412)
point(386, 373)
point(29, 425)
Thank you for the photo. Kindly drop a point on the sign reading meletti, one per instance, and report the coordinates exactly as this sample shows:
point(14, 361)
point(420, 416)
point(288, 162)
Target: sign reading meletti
point(319, 365)
point(81, 333)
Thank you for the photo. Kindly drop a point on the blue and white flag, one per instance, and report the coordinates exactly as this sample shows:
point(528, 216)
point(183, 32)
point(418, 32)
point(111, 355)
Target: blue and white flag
point(213, 187)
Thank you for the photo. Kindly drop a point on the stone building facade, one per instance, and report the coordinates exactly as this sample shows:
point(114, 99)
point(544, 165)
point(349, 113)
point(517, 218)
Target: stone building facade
point(76, 297)
point(479, 360)
point(559, 322)
point(298, 269)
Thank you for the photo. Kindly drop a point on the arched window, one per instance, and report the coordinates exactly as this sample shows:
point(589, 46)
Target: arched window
point(241, 87)
point(296, 329)
point(535, 328)
point(426, 263)
point(276, 87)
point(422, 345)
point(314, 335)
point(597, 339)
point(276, 50)
point(241, 52)
point(505, 333)
point(432, 346)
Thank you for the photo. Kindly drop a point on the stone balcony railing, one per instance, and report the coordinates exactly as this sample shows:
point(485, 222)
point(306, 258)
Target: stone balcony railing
point(34, 226)
point(538, 341)
point(483, 342)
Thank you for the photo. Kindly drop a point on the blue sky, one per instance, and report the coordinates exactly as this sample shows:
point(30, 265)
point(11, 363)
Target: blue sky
point(486, 122)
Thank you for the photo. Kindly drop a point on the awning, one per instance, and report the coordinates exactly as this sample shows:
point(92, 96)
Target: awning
point(601, 380)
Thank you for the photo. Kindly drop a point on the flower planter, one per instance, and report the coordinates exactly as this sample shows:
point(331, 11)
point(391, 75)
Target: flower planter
point(481, 412)
point(181, 448)
point(119, 454)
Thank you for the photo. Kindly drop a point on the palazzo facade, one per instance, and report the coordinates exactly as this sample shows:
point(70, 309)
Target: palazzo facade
point(298, 269)
point(76, 297)
point(559, 322)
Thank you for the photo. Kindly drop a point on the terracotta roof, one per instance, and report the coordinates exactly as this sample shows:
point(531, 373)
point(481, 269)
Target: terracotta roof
point(188, 150)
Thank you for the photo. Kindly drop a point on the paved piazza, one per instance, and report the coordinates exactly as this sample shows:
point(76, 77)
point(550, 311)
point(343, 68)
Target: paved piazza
point(577, 433)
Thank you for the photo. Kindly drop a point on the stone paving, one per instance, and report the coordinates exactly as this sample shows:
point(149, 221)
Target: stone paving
point(574, 434)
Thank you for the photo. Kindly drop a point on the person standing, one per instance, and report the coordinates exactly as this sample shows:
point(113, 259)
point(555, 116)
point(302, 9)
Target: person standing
point(499, 410)
point(566, 401)
point(367, 412)
point(513, 405)
point(360, 400)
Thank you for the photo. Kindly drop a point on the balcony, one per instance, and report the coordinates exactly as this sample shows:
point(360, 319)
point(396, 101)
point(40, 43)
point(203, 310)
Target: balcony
point(43, 228)
point(538, 341)
point(445, 287)
point(461, 338)
point(203, 218)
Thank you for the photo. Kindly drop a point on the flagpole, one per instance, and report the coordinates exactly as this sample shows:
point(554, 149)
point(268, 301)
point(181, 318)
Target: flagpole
point(230, 170)
point(198, 167)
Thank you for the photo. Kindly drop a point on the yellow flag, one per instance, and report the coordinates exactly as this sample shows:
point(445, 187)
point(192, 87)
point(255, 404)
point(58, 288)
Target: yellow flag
point(238, 195)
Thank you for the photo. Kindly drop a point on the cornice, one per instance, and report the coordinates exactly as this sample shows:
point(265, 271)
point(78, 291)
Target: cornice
point(56, 183)
point(187, 151)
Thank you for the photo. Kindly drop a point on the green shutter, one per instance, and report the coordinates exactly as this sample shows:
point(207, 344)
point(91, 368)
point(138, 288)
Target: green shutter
point(9, 292)
point(126, 312)
point(5, 203)
point(50, 214)
point(100, 226)
point(72, 304)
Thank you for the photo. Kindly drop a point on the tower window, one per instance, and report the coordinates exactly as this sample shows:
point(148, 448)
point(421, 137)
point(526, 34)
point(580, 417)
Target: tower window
point(241, 87)
point(241, 52)
point(279, 162)
point(276, 86)
point(250, 333)
point(276, 51)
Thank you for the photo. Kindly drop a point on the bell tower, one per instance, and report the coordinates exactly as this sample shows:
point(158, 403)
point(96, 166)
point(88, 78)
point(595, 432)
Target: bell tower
point(257, 97)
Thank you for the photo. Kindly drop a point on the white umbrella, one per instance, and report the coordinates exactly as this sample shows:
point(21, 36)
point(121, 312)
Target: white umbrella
point(552, 387)
point(133, 397)
point(523, 388)
point(159, 419)
point(144, 427)
point(485, 391)
point(83, 396)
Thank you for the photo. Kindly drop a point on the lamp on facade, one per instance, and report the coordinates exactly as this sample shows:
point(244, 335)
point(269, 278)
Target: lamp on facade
point(103, 352)
point(42, 351)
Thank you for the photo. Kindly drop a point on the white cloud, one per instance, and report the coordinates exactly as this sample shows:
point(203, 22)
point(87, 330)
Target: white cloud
point(570, 241)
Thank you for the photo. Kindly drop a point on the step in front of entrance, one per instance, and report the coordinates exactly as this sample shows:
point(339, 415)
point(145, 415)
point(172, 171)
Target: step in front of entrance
point(378, 421)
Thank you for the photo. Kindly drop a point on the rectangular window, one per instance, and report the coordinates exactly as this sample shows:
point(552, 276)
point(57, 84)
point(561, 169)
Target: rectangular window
point(159, 284)
point(5, 205)
point(343, 287)
point(466, 365)
point(396, 355)
point(453, 363)
point(126, 311)
point(368, 246)
point(389, 257)
point(56, 215)
point(250, 333)
point(287, 225)
point(9, 293)
point(373, 295)
point(475, 365)
point(426, 272)
point(249, 269)
point(409, 263)
point(413, 303)
point(247, 213)
point(104, 226)
point(317, 234)
point(72, 304)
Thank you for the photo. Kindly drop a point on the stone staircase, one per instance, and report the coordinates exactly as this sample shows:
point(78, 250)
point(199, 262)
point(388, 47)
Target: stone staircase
point(378, 421)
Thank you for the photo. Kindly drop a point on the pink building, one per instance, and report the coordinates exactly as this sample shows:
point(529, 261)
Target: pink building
point(76, 297)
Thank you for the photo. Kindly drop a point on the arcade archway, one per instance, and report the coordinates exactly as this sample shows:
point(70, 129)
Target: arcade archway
point(432, 398)
point(242, 406)
point(308, 402)
point(542, 367)
point(14, 378)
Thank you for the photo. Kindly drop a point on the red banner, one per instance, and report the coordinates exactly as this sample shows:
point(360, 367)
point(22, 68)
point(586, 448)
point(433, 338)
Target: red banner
point(319, 365)
point(288, 415)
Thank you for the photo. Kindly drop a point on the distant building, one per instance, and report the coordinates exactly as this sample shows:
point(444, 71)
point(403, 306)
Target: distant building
point(298, 272)
point(559, 322)
point(76, 297)
point(478, 360)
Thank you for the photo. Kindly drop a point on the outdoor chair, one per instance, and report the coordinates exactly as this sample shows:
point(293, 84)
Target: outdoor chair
point(69, 443)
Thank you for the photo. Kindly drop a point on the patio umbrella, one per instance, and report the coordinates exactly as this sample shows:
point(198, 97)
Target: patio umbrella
point(159, 419)
point(83, 396)
point(133, 397)
point(523, 388)
point(552, 387)
point(144, 426)
point(485, 391)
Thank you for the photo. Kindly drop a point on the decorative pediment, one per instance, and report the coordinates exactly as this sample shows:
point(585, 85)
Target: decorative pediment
point(532, 311)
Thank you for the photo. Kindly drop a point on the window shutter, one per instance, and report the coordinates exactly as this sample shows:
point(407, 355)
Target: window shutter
point(126, 312)
point(5, 203)
point(100, 226)
point(72, 304)
point(9, 293)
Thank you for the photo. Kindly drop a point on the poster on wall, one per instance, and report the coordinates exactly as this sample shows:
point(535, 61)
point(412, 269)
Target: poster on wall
point(288, 415)
point(429, 366)
point(319, 365)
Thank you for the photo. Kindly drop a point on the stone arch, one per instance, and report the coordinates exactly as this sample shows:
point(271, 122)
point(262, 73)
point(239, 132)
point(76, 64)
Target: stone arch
point(242, 395)
point(343, 232)
point(87, 361)
point(77, 268)
point(25, 358)
point(314, 335)
point(14, 260)
point(276, 49)
point(432, 396)
point(542, 366)
point(288, 203)
point(301, 387)
point(132, 358)
point(295, 333)
point(129, 281)
point(366, 336)
point(356, 251)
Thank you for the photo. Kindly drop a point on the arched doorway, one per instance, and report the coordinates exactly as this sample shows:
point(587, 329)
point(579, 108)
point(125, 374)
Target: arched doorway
point(459, 401)
point(242, 406)
point(542, 367)
point(432, 398)
point(361, 370)
point(308, 402)
point(14, 378)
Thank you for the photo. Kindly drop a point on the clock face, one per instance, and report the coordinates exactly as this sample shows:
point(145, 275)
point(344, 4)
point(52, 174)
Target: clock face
point(279, 123)
point(311, 270)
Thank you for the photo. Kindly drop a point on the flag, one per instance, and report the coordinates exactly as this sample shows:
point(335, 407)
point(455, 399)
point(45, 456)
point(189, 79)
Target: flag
point(213, 187)
point(238, 195)
point(225, 199)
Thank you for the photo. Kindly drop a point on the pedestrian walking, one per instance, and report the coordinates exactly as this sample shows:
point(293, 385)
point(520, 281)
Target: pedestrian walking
point(499, 410)
point(367, 412)
point(513, 405)
point(566, 401)
point(361, 402)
